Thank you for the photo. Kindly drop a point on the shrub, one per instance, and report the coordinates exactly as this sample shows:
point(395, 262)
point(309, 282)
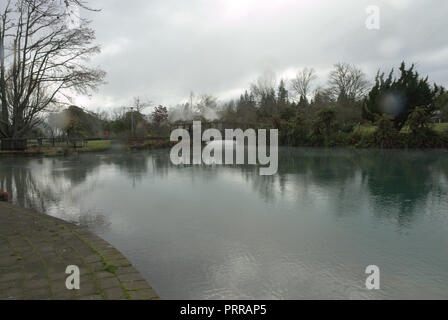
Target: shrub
point(421, 135)
point(4, 196)
point(317, 137)
point(362, 138)
point(444, 139)
point(347, 128)
point(294, 133)
point(424, 138)
point(327, 117)
point(419, 119)
point(386, 136)
point(338, 139)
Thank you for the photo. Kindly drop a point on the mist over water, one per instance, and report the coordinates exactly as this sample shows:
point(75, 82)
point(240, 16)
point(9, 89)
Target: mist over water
point(215, 232)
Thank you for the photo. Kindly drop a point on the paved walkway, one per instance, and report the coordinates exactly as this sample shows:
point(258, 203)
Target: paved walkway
point(35, 250)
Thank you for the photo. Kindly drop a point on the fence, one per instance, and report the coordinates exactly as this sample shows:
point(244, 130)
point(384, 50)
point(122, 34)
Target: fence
point(24, 144)
point(14, 144)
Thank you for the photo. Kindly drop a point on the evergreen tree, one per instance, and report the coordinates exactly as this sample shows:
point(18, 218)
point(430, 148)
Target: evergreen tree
point(303, 102)
point(282, 96)
point(399, 97)
point(246, 109)
point(268, 104)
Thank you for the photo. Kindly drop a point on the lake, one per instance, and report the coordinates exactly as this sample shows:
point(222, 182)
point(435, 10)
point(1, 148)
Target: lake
point(225, 232)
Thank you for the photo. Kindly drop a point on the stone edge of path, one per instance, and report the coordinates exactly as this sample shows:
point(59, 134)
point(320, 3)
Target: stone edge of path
point(36, 248)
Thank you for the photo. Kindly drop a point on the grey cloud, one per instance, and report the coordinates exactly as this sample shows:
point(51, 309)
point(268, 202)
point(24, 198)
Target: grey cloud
point(163, 49)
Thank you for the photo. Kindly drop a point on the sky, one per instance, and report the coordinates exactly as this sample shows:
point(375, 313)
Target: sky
point(161, 50)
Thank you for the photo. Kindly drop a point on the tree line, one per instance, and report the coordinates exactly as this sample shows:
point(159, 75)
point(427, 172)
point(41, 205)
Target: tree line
point(396, 110)
point(305, 114)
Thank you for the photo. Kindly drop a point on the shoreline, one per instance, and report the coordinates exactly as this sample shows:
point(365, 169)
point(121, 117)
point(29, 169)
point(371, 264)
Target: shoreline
point(37, 248)
point(66, 151)
point(111, 149)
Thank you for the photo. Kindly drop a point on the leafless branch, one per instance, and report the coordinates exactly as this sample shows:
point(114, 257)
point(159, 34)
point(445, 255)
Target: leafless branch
point(42, 61)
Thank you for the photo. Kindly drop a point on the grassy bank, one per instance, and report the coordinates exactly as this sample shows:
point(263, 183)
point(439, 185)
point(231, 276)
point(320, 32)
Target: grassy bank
point(433, 136)
point(437, 127)
point(97, 145)
point(62, 149)
point(151, 144)
point(365, 136)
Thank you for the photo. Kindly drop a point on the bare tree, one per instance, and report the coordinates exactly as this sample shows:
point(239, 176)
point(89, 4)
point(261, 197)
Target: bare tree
point(102, 114)
point(55, 123)
point(207, 102)
point(139, 104)
point(264, 86)
point(208, 107)
point(301, 84)
point(80, 3)
point(347, 82)
point(323, 97)
point(42, 61)
point(118, 113)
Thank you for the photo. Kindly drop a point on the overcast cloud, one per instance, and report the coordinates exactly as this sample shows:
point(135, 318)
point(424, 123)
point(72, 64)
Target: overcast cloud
point(163, 49)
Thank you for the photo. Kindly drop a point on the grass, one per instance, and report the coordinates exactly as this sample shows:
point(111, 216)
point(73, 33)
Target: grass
point(365, 129)
point(152, 144)
point(438, 127)
point(92, 146)
point(441, 127)
point(97, 145)
point(61, 148)
point(110, 268)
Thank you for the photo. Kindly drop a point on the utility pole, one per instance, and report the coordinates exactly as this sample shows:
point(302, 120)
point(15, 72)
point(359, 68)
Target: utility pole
point(132, 122)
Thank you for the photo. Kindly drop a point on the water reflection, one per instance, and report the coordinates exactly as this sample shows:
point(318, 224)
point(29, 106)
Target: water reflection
point(227, 232)
point(53, 186)
point(396, 183)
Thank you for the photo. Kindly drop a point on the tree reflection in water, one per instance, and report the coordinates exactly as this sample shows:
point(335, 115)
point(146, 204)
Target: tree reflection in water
point(53, 186)
point(396, 184)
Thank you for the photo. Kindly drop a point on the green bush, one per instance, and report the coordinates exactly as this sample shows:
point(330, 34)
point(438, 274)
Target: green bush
point(386, 136)
point(362, 138)
point(294, 133)
point(419, 120)
point(421, 134)
point(424, 138)
point(326, 117)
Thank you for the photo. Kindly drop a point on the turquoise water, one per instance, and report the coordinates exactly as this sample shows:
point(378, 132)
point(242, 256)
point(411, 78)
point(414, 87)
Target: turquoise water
point(225, 232)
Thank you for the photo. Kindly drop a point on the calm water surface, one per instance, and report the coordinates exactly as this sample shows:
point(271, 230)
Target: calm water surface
point(201, 232)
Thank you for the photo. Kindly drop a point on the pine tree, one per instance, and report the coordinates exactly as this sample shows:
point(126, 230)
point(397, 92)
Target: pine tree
point(399, 97)
point(282, 96)
point(303, 102)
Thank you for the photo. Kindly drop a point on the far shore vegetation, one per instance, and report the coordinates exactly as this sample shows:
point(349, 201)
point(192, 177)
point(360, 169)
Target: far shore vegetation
point(402, 110)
